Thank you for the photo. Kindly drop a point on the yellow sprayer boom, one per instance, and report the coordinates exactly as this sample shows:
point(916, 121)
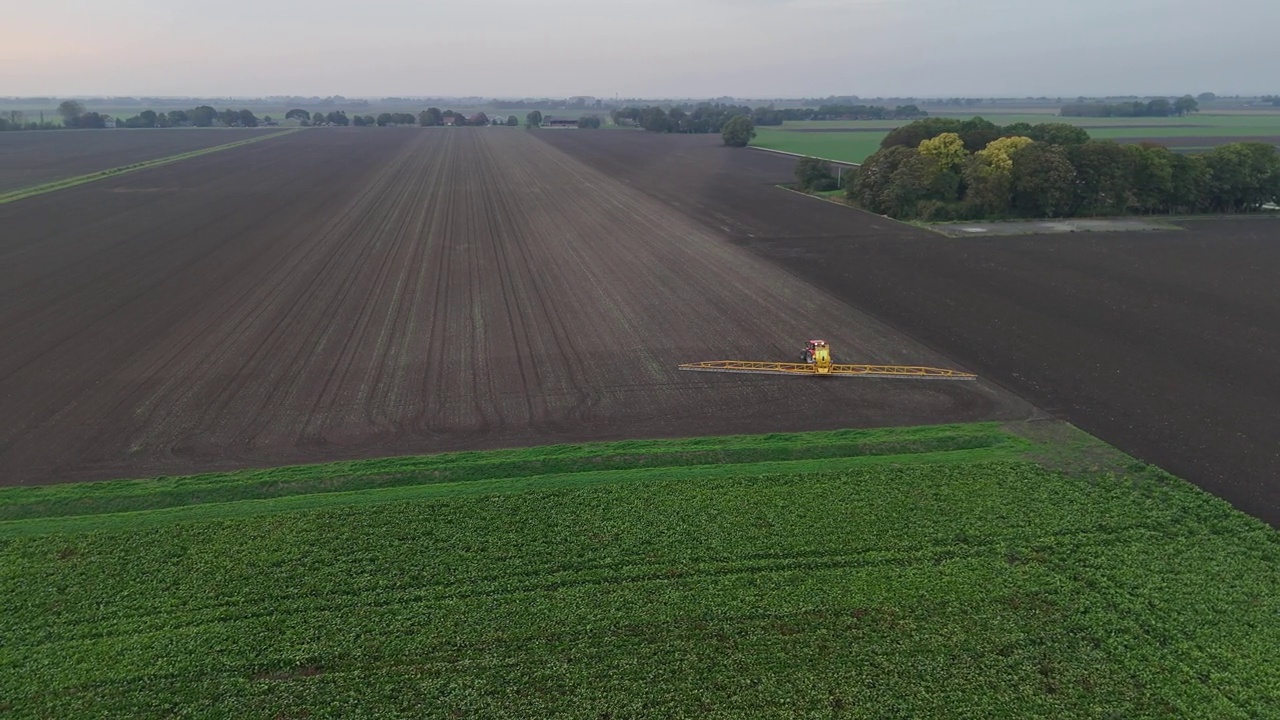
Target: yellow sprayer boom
point(817, 361)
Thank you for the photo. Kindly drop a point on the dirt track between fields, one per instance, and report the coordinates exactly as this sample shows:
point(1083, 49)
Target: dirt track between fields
point(37, 157)
point(1161, 343)
point(354, 293)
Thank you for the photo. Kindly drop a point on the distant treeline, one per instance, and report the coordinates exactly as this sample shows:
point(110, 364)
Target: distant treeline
point(74, 115)
point(430, 117)
point(1158, 107)
point(711, 117)
point(573, 103)
point(120, 101)
point(945, 169)
point(708, 118)
point(17, 120)
point(769, 116)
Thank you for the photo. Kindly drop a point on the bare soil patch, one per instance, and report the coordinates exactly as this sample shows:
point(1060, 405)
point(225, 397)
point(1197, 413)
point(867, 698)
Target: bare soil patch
point(339, 294)
point(1051, 227)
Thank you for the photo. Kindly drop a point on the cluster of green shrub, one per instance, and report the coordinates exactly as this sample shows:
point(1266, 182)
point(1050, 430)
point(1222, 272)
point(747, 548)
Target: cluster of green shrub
point(942, 169)
point(814, 175)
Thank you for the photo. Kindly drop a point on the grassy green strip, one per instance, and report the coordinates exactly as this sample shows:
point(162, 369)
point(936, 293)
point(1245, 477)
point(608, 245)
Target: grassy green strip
point(134, 495)
point(981, 587)
point(131, 521)
point(841, 147)
point(34, 190)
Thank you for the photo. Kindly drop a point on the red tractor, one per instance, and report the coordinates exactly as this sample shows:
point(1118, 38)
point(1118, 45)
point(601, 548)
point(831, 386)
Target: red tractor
point(816, 351)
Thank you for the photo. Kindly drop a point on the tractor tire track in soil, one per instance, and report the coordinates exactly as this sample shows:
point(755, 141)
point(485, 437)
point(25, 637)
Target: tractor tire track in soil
point(1160, 343)
point(353, 293)
point(34, 158)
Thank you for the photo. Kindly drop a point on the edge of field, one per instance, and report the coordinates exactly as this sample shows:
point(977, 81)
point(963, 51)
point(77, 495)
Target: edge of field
point(33, 190)
point(863, 137)
point(1022, 227)
point(129, 504)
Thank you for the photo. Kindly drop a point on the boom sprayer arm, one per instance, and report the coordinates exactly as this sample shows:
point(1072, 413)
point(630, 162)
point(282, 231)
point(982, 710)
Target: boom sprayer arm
point(817, 362)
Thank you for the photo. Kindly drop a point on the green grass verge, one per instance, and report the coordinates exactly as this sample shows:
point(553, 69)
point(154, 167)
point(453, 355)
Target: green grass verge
point(953, 571)
point(122, 496)
point(22, 193)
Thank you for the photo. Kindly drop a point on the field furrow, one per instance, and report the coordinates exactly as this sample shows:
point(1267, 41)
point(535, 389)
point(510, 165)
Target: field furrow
point(338, 294)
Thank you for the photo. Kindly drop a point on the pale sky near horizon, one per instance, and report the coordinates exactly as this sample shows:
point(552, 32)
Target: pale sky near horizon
point(654, 48)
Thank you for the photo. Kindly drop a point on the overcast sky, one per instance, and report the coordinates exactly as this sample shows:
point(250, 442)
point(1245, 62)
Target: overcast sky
point(642, 48)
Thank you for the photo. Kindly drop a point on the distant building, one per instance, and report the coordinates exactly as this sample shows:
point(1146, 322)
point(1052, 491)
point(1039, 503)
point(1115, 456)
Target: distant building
point(109, 121)
point(552, 122)
point(448, 119)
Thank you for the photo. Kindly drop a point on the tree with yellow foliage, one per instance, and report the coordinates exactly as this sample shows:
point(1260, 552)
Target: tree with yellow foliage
point(998, 154)
point(988, 174)
point(947, 150)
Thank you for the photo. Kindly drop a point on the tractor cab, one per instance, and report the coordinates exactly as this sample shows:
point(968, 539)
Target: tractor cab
point(817, 353)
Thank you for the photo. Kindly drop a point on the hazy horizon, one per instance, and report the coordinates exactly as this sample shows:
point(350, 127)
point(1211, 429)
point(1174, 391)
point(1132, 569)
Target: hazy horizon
point(661, 49)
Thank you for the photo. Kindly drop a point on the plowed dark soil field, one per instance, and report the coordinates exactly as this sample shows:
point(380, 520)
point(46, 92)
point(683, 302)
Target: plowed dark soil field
point(353, 293)
point(1163, 344)
point(33, 158)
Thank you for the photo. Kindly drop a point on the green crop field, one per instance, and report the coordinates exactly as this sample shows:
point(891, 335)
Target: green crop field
point(857, 146)
point(952, 571)
point(845, 147)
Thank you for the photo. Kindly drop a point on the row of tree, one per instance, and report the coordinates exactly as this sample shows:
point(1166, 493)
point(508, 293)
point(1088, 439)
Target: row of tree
point(771, 116)
point(978, 132)
point(17, 120)
point(333, 117)
point(202, 116)
point(711, 117)
point(706, 118)
point(1157, 107)
point(431, 117)
point(581, 102)
point(535, 119)
point(74, 115)
point(1051, 173)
